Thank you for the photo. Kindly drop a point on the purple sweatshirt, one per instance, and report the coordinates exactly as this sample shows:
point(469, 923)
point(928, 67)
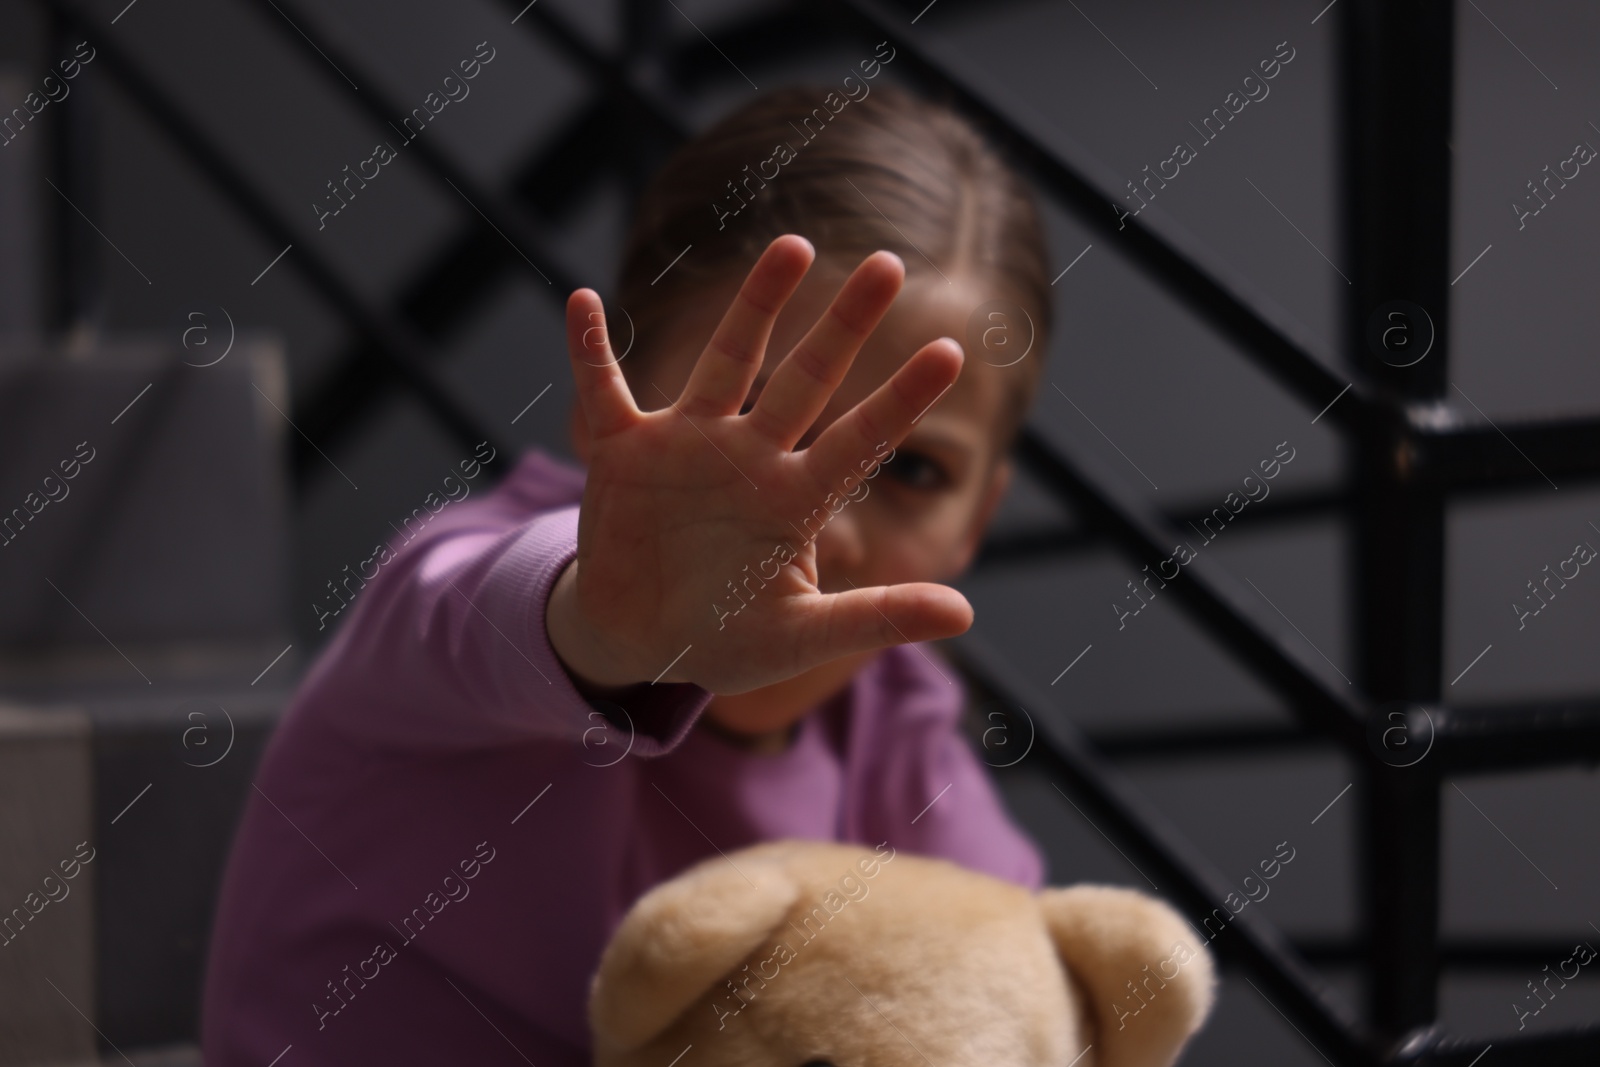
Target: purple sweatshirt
point(443, 833)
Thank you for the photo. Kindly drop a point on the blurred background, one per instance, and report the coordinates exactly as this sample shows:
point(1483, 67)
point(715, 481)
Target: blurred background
point(246, 401)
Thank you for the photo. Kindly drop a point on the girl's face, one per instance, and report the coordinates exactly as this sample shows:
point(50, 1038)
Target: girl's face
point(921, 517)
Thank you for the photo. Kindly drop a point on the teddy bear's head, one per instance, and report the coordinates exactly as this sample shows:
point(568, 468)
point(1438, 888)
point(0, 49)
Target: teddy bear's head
point(814, 954)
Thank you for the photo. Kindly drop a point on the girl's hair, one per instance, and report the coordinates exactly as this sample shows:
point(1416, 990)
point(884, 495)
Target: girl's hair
point(887, 170)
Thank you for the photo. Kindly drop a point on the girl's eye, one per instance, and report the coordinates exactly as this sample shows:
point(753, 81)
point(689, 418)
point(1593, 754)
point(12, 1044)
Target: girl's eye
point(917, 471)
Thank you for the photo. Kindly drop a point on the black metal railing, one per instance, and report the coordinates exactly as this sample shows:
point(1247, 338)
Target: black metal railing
point(1395, 90)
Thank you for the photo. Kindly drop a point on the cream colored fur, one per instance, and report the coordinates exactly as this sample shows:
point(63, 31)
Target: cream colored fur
point(919, 962)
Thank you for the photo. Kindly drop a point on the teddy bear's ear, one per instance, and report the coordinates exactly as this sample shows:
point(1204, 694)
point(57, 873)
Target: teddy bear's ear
point(681, 938)
point(1149, 980)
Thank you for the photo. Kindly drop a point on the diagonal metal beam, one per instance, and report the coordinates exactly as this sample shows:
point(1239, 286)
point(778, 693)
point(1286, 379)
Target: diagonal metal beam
point(399, 347)
point(1217, 296)
point(361, 380)
point(532, 245)
point(1165, 857)
point(1054, 542)
point(443, 293)
point(1204, 588)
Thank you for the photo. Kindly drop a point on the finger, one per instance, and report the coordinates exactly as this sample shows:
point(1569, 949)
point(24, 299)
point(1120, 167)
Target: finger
point(602, 391)
point(799, 389)
point(869, 618)
point(887, 415)
point(721, 377)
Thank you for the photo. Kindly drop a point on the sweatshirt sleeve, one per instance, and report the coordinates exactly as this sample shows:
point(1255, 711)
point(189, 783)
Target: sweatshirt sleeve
point(927, 791)
point(962, 818)
point(447, 649)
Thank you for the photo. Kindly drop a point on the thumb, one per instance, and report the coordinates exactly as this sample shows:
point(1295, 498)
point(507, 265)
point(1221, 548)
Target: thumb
point(873, 617)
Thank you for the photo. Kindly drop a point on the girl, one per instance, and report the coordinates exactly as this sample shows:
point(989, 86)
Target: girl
point(565, 692)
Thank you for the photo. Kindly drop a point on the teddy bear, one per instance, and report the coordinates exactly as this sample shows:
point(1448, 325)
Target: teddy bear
point(819, 954)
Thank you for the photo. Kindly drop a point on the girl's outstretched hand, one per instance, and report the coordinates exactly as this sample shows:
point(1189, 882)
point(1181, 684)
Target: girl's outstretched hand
point(680, 500)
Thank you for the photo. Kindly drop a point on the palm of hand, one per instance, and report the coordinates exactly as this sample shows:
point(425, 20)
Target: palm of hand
point(680, 501)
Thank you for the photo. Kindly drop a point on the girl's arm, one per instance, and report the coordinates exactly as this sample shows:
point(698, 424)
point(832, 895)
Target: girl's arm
point(447, 648)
